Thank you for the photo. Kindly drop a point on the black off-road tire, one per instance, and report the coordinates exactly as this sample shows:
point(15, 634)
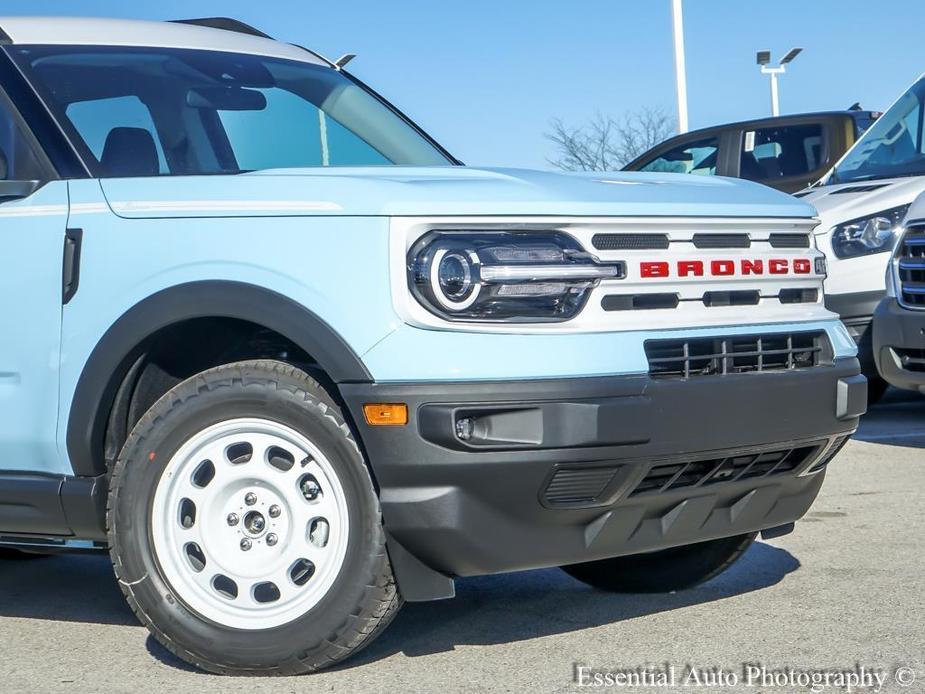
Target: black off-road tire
point(664, 571)
point(362, 600)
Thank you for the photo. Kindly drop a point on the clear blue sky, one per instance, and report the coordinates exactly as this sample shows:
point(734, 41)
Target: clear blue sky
point(486, 76)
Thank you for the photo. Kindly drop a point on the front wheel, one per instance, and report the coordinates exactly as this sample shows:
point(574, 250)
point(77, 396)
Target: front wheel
point(664, 571)
point(244, 527)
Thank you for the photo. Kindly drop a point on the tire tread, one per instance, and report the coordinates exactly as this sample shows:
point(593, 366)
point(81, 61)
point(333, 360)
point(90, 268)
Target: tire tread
point(381, 599)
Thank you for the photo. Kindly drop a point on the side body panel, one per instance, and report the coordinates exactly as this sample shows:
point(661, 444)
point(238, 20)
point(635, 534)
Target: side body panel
point(333, 266)
point(32, 236)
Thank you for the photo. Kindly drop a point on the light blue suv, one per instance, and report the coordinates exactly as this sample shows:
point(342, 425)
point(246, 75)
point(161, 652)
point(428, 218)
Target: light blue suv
point(291, 363)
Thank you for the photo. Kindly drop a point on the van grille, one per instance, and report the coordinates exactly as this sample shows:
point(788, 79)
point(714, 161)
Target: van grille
point(717, 356)
point(912, 267)
point(696, 473)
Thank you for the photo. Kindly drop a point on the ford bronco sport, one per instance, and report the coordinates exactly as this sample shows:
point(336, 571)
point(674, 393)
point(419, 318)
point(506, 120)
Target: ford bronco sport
point(291, 364)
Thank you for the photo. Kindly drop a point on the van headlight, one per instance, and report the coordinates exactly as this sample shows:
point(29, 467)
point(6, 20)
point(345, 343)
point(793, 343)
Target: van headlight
point(513, 276)
point(875, 233)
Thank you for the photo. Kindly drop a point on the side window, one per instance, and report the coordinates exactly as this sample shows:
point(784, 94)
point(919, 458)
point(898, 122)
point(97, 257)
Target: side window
point(18, 161)
point(772, 153)
point(694, 158)
point(290, 131)
point(121, 135)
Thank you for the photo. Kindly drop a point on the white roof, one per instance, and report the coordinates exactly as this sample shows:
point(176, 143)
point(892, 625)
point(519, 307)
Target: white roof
point(96, 31)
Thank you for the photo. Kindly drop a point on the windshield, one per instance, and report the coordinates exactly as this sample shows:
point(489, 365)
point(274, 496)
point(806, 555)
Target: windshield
point(893, 146)
point(164, 111)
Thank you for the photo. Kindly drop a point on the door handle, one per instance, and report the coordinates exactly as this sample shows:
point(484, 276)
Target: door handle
point(70, 275)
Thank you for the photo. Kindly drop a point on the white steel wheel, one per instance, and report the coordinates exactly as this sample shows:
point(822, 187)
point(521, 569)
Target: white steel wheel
point(249, 523)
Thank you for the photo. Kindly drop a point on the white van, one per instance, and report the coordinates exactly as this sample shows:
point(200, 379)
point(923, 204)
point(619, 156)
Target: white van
point(861, 203)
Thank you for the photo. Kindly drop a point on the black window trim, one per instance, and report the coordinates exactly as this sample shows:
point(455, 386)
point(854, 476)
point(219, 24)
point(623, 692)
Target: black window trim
point(39, 123)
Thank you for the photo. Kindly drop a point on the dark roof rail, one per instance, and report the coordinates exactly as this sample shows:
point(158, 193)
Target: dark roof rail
point(226, 23)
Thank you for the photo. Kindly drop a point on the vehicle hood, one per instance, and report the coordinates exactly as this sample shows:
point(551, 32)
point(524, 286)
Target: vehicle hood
point(462, 191)
point(840, 203)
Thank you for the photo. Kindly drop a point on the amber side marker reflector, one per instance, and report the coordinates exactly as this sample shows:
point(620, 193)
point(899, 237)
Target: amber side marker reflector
point(385, 414)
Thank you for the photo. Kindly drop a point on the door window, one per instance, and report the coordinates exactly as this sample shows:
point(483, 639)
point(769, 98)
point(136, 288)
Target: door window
point(97, 119)
point(693, 157)
point(18, 161)
point(773, 153)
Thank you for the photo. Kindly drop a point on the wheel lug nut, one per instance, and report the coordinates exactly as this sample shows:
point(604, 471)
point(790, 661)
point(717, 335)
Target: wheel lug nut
point(232, 519)
point(272, 539)
point(274, 511)
point(245, 544)
point(310, 488)
point(250, 498)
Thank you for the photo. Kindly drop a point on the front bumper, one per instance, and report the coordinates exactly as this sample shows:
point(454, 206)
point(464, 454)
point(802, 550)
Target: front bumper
point(856, 310)
point(552, 473)
point(899, 344)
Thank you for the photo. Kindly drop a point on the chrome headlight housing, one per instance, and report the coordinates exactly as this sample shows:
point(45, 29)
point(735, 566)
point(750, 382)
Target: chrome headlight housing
point(876, 233)
point(510, 276)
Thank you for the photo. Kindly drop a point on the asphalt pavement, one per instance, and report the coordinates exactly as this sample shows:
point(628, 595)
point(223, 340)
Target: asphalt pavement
point(844, 593)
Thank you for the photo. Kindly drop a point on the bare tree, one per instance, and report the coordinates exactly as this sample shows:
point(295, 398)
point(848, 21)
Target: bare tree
point(605, 144)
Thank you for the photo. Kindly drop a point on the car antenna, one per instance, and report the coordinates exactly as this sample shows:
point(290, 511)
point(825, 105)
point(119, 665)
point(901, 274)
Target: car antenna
point(343, 60)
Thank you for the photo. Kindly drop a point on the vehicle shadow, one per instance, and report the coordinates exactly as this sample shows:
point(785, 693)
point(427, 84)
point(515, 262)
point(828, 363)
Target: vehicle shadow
point(514, 607)
point(897, 420)
point(487, 610)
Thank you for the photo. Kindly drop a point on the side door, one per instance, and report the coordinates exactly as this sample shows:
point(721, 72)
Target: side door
point(33, 221)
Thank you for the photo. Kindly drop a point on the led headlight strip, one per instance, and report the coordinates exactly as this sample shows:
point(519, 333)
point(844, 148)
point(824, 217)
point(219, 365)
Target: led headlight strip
point(515, 276)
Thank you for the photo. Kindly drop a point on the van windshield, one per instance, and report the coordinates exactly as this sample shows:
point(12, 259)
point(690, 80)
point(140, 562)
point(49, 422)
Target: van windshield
point(892, 147)
point(168, 111)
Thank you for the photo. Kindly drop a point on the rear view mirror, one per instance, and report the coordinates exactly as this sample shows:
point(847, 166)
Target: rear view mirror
point(226, 99)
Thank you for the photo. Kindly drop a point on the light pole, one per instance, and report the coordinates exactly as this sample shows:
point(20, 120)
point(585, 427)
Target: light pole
point(764, 60)
point(679, 69)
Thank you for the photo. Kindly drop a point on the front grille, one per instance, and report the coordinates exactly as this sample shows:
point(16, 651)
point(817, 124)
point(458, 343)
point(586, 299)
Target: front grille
point(742, 297)
point(789, 240)
point(722, 241)
point(912, 267)
point(639, 302)
point(629, 242)
point(715, 356)
point(577, 486)
point(696, 473)
point(912, 359)
point(650, 301)
point(798, 296)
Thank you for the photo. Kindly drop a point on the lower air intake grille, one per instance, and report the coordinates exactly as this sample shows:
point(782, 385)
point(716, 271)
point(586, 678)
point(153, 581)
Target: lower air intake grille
point(696, 473)
point(711, 356)
point(577, 486)
point(836, 446)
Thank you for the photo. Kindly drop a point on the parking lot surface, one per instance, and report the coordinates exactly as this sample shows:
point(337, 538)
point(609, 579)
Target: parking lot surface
point(845, 590)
